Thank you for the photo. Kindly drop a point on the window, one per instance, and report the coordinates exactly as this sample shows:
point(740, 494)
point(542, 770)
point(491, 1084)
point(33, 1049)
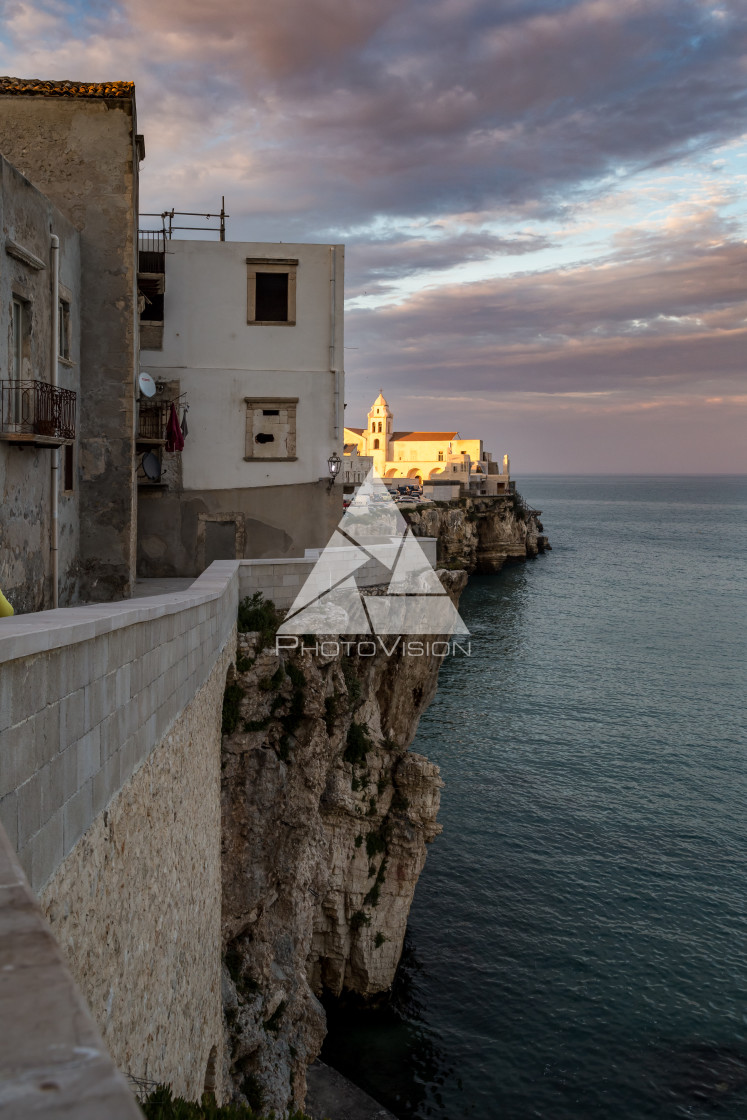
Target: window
point(271, 291)
point(20, 353)
point(19, 337)
point(63, 330)
point(379, 425)
point(440, 456)
point(270, 428)
point(68, 484)
point(376, 445)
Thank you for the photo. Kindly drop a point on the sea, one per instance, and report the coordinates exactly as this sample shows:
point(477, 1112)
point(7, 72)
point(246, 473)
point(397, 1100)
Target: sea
point(577, 945)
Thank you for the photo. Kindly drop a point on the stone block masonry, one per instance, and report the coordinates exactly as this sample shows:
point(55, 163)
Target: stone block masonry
point(136, 905)
point(110, 793)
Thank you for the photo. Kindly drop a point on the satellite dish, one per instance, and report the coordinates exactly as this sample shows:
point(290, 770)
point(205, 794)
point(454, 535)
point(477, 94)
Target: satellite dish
point(147, 384)
point(151, 466)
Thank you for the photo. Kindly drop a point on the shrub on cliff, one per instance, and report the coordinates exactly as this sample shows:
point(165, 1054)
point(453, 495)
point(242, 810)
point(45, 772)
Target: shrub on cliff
point(162, 1105)
point(257, 614)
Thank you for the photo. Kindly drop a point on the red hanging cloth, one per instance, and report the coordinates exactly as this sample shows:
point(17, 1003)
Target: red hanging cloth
point(174, 437)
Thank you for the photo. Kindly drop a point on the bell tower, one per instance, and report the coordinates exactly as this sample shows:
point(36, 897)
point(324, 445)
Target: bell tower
point(379, 433)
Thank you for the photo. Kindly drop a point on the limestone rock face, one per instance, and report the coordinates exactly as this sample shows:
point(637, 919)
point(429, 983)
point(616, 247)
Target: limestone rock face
point(326, 818)
point(480, 534)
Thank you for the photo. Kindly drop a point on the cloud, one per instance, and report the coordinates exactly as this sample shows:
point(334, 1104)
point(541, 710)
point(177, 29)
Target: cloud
point(674, 319)
point(555, 149)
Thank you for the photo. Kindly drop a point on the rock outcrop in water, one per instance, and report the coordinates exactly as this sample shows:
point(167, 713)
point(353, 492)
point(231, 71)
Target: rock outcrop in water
point(480, 534)
point(326, 818)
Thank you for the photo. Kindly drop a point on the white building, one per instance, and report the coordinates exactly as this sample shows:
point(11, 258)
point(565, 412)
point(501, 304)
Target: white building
point(251, 338)
point(425, 457)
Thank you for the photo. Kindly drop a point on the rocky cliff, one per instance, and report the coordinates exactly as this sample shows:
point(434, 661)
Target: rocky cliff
point(326, 818)
point(480, 534)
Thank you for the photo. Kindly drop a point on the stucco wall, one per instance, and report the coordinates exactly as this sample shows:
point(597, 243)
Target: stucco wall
point(219, 359)
point(136, 905)
point(275, 521)
point(27, 219)
point(81, 152)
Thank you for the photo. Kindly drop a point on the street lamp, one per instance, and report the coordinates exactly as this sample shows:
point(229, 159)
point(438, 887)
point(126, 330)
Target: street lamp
point(333, 463)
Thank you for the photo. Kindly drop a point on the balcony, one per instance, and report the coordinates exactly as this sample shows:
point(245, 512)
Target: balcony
point(36, 414)
point(151, 424)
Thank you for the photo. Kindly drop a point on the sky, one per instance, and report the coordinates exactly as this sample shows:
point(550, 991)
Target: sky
point(544, 202)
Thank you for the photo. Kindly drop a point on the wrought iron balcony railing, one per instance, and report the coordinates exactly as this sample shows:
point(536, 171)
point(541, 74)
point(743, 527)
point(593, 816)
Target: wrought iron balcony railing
point(36, 412)
point(151, 422)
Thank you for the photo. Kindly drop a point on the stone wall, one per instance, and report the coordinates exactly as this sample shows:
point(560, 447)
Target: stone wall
point(110, 793)
point(136, 906)
point(27, 219)
point(82, 152)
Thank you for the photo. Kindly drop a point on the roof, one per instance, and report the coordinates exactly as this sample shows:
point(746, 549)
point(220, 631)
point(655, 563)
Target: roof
point(358, 431)
point(47, 88)
point(424, 437)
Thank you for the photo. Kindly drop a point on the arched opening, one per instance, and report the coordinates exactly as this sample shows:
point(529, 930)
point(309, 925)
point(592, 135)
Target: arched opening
point(435, 472)
point(415, 473)
point(379, 425)
point(376, 445)
point(391, 473)
point(210, 1073)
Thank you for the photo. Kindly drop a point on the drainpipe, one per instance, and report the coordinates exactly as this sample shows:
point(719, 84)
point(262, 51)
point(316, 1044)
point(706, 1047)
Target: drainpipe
point(56, 450)
point(332, 337)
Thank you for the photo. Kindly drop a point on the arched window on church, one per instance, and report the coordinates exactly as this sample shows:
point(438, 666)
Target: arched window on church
point(379, 425)
point(376, 445)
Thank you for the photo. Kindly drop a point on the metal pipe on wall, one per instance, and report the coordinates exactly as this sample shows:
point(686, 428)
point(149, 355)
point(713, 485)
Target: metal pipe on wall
point(55, 248)
point(333, 337)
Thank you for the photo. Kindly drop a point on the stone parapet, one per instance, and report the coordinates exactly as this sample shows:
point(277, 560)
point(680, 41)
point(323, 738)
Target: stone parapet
point(85, 695)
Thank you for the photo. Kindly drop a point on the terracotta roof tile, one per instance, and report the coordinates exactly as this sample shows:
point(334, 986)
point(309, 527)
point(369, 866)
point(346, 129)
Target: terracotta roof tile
point(47, 88)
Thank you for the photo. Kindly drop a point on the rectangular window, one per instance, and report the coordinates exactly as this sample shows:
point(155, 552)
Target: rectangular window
point(18, 333)
point(63, 330)
point(270, 428)
point(271, 291)
point(68, 483)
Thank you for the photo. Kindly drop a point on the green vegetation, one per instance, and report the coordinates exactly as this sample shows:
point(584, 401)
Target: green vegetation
point(257, 724)
point(273, 683)
point(160, 1104)
point(379, 940)
point(259, 615)
point(358, 744)
point(376, 841)
point(331, 712)
point(244, 663)
point(358, 920)
point(231, 699)
point(358, 840)
point(372, 898)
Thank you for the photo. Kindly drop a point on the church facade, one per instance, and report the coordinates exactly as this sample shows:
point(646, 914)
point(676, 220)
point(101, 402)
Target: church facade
point(423, 456)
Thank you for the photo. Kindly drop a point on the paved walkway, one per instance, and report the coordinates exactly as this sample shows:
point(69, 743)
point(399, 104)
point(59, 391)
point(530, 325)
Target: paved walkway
point(329, 1094)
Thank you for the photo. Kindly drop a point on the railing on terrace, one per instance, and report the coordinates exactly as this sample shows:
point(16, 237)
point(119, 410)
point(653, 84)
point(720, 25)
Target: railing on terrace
point(36, 412)
point(152, 250)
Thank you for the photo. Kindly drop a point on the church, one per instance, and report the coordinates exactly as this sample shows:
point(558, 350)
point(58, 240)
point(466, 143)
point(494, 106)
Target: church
point(424, 456)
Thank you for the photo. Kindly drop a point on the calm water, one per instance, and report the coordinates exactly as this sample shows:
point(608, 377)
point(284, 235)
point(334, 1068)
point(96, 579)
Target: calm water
point(577, 944)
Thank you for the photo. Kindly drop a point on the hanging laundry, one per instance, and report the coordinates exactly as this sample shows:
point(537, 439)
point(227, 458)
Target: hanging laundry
point(174, 437)
point(185, 429)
